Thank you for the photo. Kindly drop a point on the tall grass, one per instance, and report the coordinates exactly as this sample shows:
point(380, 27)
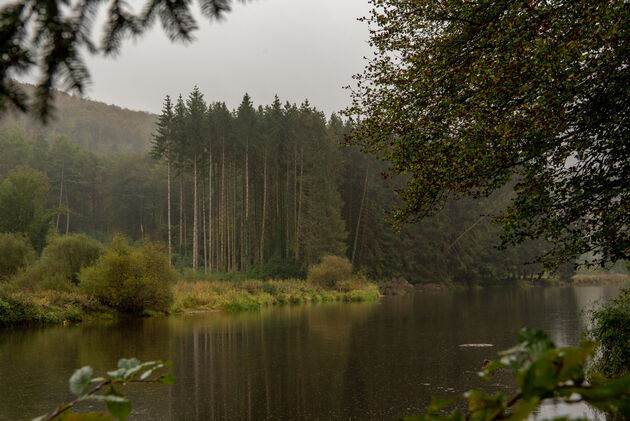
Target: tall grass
point(253, 294)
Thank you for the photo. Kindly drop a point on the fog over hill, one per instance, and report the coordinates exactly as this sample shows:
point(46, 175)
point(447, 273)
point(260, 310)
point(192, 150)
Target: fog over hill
point(95, 126)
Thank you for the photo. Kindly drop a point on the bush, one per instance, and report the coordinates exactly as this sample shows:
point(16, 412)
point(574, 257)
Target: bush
point(66, 256)
point(611, 328)
point(130, 280)
point(352, 284)
point(331, 270)
point(15, 254)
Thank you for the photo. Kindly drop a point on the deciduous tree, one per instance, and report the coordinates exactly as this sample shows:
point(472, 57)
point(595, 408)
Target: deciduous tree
point(464, 97)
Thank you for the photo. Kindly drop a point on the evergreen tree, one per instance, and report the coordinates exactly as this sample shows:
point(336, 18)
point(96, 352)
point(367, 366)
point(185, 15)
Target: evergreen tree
point(161, 149)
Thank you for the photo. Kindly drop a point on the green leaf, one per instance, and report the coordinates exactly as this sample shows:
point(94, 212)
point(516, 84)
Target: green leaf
point(168, 379)
point(103, 398)
point(540, 377)
point(523, 408)
point(481, 404)
point(119, 409)
point(612, 389)
point(493, 366)
point(438, 404)
point(128, 363)
point(573, 362)
point(80, 380)
point(150, 371)
point(117, 374)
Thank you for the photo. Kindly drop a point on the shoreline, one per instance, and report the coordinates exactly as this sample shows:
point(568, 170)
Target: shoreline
point(60, 308)
point(50, 308)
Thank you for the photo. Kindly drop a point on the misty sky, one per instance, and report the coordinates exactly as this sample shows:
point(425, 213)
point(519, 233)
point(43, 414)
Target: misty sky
point(297, 49)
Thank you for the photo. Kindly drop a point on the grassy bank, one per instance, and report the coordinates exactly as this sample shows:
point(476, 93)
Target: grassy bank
point(48, 307)
point(254, 294)
point(57, 307)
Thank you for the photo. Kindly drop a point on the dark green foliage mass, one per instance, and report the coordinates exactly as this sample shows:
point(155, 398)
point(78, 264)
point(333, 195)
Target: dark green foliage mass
point(22, 200)
point(611, 328)
point(463, 98)
point(130, 280)
point(15, 254)
point(68, 254)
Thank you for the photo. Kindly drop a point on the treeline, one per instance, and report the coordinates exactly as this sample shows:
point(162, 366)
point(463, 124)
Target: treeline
point(265, 182)
point(264, 190)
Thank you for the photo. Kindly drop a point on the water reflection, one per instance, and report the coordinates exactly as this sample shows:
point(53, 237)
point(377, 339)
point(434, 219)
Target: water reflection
point(334, 361)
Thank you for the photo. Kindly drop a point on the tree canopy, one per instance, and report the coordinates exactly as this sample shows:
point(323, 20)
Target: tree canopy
point(466, 97)
point(50, 35)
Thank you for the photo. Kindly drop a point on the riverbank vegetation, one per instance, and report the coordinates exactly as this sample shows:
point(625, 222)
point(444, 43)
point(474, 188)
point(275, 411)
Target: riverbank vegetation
point(77, 278)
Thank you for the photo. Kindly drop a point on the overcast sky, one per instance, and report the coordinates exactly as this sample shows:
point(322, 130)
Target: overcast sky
point(297, 49)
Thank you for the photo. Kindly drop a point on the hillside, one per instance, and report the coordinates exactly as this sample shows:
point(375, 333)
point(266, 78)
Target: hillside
point(92, 125)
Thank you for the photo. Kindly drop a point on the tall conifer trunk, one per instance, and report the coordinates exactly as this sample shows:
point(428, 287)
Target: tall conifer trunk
point(245, 231)
point(67, 214)
point(203, 218)
point(60, 194)
point(299, 211)
point(222, 207)
point(195, 249)
point(181, 212)
point(264, 211)
point(356, 233)
point(210, 230)
point(168, 205)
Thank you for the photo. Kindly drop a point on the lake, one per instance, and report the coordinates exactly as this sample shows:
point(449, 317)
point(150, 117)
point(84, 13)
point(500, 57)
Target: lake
point(368, 361)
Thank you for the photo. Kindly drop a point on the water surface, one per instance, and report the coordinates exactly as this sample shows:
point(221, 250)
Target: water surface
point(373, 361)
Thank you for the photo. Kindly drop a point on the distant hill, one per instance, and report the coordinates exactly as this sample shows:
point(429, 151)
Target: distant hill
point(93, 125)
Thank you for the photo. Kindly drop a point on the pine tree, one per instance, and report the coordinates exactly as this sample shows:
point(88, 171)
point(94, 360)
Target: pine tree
point(161, 149)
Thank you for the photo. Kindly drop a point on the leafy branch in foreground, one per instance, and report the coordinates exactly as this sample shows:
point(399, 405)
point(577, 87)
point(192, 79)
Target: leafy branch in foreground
point(89, 388)
point(51, 35)
point(542, 371)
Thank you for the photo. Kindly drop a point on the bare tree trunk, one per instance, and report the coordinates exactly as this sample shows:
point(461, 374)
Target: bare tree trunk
point(222, 207)
point(264, 211)
point(210, 230)
point(195, 217)
point(234, 222)
point(67, 214)
point(356, 233)
point(203, 218)
point(181, 212)
point(228, 227)
point(295, 189)
point(245, 229)
point(60, 194)
point(299, 211)
point(168, 205)
point(287, 213)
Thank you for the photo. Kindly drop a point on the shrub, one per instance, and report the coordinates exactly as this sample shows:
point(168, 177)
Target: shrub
point(331, 270)
point(15, 254)
point(352, 284)
point(66, 256)
point(611, 328)
point(130, 280)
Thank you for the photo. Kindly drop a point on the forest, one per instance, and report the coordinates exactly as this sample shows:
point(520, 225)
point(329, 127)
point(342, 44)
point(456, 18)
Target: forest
point(264, 190)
